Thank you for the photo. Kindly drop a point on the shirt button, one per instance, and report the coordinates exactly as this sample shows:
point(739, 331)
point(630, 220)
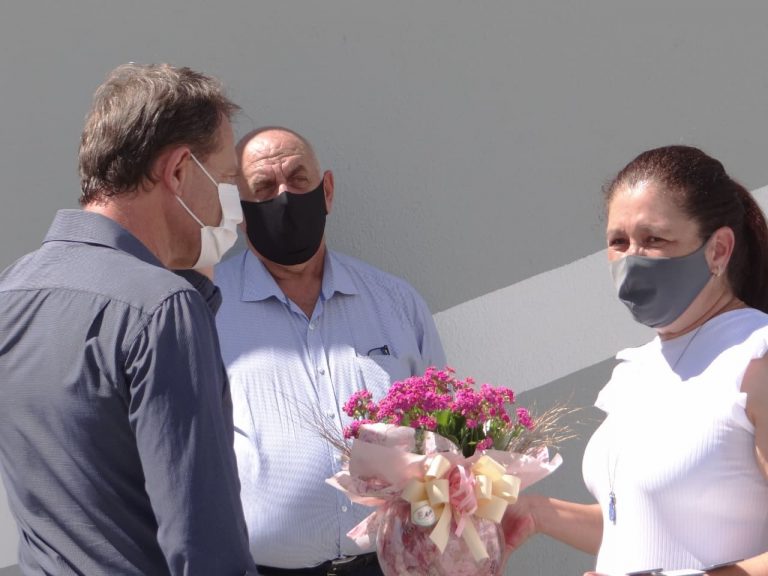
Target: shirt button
point(331, 415)
point(321, 370)
point(343, 508)
point(312, 325)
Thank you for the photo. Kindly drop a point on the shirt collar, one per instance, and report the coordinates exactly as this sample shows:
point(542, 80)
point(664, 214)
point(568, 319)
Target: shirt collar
point(258, 284)
point(92, 228)
point(336, 277)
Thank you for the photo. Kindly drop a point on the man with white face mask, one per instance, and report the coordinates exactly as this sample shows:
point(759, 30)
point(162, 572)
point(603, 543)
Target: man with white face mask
point(116, 428)
point(216, 240)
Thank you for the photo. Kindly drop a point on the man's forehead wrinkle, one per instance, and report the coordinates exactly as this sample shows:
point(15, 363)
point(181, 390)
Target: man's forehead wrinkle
point(249, 166)
point(277, 145)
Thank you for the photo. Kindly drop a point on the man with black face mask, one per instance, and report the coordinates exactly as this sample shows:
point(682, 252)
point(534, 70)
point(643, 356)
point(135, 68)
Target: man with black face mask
point(302, 328)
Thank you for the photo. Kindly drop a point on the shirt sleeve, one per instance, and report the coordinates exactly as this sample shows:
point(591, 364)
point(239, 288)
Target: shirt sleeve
point(610, 396)
point(207, 289)
point(431, 346)
point(181, 414)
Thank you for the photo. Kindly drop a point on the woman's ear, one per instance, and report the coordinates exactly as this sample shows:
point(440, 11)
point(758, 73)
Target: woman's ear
point(720, 249)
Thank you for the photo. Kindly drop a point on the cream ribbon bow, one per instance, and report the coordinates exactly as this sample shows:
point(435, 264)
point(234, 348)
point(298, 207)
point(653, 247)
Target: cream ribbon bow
point(484, 491)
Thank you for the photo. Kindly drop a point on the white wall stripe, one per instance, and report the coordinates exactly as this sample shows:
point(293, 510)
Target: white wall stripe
point(545, 327)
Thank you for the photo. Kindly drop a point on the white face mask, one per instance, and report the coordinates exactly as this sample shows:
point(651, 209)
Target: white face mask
point(216, 240)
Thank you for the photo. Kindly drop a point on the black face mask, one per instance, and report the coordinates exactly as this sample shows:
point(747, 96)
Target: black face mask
point(287, 229)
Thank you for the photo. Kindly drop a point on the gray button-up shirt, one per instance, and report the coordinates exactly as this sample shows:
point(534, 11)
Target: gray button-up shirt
point(115, 412)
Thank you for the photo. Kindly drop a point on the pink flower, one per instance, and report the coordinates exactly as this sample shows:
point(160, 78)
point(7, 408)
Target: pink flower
point(425, 422)
point(485, 444)
point(360, 404)
point(352, 430)
point(524, 418)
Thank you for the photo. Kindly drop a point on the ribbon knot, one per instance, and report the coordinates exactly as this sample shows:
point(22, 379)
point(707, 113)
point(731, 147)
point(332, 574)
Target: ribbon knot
point(484, 491)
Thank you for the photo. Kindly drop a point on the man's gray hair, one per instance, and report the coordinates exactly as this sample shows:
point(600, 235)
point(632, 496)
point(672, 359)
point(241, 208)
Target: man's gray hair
point(139, 111)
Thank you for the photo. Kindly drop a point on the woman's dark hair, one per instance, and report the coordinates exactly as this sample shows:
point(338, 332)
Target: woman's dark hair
point(700, 187)
point(139, 111)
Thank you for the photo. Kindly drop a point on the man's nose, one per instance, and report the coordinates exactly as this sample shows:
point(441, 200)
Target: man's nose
point(281, 188)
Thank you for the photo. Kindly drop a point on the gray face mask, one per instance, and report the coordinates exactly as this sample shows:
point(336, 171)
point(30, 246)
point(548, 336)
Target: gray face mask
point(658, 290)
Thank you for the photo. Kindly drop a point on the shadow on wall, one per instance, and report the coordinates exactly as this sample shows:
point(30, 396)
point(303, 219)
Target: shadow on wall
point(11, 571)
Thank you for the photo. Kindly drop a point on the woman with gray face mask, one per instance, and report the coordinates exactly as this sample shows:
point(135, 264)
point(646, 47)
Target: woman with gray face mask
point(679, 467)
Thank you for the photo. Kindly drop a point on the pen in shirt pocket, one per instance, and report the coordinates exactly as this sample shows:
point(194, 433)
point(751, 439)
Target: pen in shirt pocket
point(379, 351)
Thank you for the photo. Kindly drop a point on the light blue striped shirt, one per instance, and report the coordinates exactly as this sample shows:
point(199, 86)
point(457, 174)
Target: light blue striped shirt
point(284, 367)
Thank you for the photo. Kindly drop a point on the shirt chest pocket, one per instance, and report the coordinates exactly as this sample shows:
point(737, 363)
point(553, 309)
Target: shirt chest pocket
point(376, 373)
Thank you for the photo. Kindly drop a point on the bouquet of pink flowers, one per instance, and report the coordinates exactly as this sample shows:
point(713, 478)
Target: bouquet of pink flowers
point(441, 459)
point(455, 409)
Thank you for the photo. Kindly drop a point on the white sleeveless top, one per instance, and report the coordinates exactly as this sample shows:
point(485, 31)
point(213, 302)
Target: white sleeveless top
point(678, 451)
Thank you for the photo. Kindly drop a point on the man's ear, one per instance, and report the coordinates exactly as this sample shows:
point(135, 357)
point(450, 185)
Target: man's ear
point(172, 168)
point(328, 188)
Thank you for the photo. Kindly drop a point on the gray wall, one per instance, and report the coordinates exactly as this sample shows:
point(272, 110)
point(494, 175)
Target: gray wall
point(469, 142)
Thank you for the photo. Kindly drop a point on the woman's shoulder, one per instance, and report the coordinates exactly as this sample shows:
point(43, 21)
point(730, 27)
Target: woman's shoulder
point(747, 326)
point(744, 319)
point(724, 331)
